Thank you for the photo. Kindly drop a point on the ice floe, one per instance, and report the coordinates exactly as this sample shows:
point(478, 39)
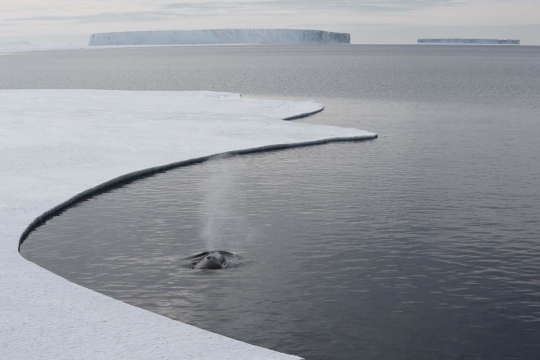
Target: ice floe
point(55, 144)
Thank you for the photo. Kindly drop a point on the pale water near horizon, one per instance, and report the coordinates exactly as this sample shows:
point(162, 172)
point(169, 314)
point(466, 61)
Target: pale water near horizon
point(422, 244)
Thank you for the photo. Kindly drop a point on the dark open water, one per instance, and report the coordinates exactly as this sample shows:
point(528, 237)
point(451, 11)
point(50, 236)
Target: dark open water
point(422, 244)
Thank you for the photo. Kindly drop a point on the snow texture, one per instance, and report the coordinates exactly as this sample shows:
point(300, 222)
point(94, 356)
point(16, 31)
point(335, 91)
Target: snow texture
point(55, 144)
point(470, 41)
point(220, 36)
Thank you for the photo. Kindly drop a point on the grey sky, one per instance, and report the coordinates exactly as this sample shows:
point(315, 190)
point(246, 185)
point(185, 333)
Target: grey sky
point(368, 21)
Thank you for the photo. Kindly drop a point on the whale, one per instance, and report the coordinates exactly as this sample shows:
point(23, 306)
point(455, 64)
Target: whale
point(210, 260)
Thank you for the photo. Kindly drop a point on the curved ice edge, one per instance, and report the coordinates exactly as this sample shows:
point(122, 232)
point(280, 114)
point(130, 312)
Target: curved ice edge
point(303, 115)
point(137, 175)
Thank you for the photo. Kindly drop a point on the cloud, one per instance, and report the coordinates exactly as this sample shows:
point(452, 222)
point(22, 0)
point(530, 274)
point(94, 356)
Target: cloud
point(312, 5)
point(107, 17)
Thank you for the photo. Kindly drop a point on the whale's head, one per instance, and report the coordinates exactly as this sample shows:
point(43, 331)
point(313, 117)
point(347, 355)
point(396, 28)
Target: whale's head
point(213, 261)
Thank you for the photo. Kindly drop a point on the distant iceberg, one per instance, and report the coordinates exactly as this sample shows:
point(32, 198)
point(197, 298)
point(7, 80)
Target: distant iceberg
point(15, 44)
point(220, 36)
point(471, 41)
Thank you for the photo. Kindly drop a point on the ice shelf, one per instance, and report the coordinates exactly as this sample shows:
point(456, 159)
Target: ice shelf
point(471, 41)
point(55, 144)
point(220, 36)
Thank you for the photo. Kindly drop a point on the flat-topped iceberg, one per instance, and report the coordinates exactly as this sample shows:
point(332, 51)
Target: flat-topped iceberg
point(471, 41)
point(220, 36)
point(25, 46)
point(15, 44)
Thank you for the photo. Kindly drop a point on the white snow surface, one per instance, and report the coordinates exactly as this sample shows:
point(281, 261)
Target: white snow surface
point(55, 144)
point(220, 36)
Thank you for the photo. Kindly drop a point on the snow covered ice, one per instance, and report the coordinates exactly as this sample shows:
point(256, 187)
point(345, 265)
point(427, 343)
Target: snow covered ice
point(220, 36)
point(55, 144)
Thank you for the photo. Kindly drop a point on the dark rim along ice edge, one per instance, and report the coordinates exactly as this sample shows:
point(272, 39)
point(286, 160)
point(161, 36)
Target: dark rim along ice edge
point(137, 175)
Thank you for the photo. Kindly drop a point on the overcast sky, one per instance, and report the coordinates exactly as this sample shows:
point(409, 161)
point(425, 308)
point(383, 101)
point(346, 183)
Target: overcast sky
point(368, 21)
